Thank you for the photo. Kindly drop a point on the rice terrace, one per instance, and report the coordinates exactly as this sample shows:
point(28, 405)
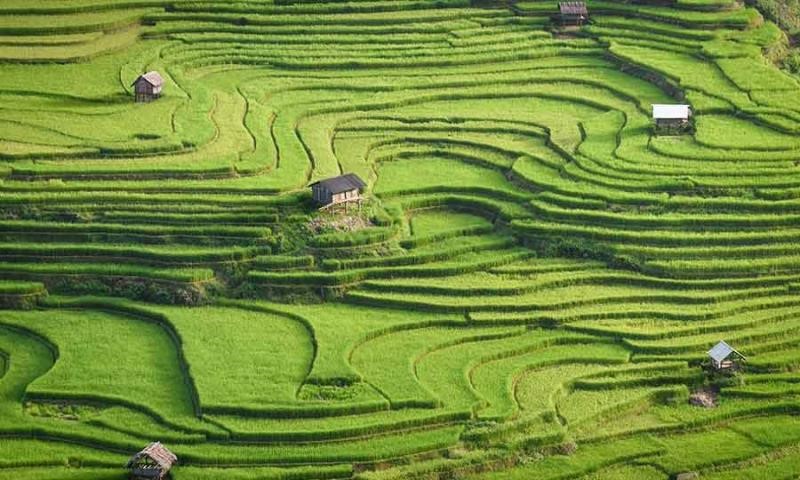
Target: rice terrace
point(399, 239)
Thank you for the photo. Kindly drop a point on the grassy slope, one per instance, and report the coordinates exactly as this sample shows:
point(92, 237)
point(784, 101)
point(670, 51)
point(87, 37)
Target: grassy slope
point(454, 335)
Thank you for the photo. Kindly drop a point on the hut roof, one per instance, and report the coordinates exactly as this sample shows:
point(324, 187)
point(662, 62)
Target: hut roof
point(156, 452)
point(573, 8)
point(671, 112)
point(721, 351)
point(343, 183)
point(153, 78)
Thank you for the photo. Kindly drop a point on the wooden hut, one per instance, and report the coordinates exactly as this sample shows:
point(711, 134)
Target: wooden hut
point(343, 189)
point(671, 118)
point(154, 462)
point(148, 87)
point(573, 14)
point(724, 357)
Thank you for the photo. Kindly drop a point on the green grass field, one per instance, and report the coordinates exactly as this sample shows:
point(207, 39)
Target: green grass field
point(531, 286)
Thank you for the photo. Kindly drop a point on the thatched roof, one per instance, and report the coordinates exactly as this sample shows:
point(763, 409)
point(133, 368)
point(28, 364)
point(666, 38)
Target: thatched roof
point(573, 8)
point(157, 453)
point(153, 78)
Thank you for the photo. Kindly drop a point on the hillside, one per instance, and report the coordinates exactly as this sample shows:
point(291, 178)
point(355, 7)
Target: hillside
point(528, 289)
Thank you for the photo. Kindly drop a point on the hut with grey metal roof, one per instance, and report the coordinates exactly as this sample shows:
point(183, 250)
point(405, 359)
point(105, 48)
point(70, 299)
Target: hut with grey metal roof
point(152, 463)
point(724, 357)
point(573, 13)
point(343, 189)
point(148, 87)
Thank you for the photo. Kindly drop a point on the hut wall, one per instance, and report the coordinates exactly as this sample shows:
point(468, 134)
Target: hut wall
point(568, 19)
point(323, 196)
point(146, 473)
point(671, 126)
point(146, 92)
point(320, 194)
point(671, 122)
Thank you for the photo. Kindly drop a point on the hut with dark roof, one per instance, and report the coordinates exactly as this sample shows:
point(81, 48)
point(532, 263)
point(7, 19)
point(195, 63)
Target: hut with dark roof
point(154, 462)
point(573, 13)
point(148, 87)
point(343, 189)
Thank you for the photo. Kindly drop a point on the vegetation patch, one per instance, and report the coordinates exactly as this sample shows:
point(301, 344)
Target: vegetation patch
point(526, 285)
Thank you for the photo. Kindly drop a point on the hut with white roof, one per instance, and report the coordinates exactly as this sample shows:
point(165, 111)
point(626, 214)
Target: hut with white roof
point(724, 357)
point(671, 118)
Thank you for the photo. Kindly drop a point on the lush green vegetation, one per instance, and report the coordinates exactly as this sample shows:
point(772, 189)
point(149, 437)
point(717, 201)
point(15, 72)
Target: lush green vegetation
point(528, 292)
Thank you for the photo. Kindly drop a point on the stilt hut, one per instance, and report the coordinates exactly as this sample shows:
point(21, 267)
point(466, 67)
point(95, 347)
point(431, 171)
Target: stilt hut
point(152, 463)
point(343, 189)
point(724, 357)
point(573, 14)
point(671, 118)
point(148, 87)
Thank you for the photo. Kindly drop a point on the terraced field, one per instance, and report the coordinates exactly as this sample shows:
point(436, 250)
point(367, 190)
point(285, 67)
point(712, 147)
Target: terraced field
point(534, 288)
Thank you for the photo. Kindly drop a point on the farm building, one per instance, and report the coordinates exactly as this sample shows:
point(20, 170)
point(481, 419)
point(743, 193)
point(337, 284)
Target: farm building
point(154, 462)
point(148, 87)
point(573, 13)
point(670, 118)
point(337, 190)
point(724, 357)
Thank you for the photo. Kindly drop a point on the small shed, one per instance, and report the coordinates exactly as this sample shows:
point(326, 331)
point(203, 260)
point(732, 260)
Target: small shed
point(573, 13)
point(338, 190)
point(724, 357)
point(148, 87)
point(671, 117)
point(154, 462)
